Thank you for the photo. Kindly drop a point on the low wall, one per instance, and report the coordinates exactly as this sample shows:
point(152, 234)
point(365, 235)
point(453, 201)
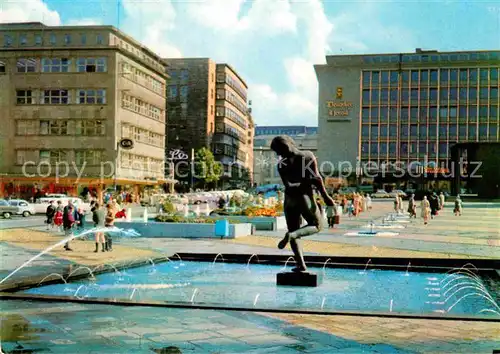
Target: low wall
point(264, 223)
point(183, 230)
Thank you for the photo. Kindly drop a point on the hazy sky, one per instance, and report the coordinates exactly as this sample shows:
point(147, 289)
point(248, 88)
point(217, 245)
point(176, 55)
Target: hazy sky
point(274, 43)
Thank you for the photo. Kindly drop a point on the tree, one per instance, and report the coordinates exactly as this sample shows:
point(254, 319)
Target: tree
point(206, 169)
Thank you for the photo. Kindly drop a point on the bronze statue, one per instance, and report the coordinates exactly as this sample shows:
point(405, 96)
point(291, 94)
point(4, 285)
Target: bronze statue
point(299, 172)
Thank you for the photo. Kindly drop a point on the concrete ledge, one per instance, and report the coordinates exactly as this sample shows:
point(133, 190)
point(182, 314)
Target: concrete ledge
point(183, 230)
point(263, 223)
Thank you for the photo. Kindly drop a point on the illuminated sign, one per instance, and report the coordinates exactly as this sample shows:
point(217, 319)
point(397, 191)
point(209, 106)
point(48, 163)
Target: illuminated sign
point(434, 170)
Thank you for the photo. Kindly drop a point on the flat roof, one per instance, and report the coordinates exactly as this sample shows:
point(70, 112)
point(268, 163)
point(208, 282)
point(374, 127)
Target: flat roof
point(234, 72)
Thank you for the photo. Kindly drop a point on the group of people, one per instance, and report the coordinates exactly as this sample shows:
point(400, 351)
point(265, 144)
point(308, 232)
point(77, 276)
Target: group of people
point(67, 218)
point(353, 206)
point(430, 206)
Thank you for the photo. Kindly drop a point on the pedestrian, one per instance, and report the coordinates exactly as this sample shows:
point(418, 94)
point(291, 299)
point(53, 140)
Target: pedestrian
point(80, 219)
point(396, 204)
point(425, 210)
point(58, 217)
point(109, 222)
point(434, 204)
point(369, 202)
point(329, 214)
point(50, 213)
point(336, 214)
point(401, 205)
point(412, 207)
point(458, 206)
point(441, 201)
point(98, 219)
point(68, 223)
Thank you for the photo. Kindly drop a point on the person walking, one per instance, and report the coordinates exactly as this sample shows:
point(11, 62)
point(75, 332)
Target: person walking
point(58, 217)
point(109, 222)
point(441, 201)
point(412, 207)
point(425, 210)
point(369, 202)
point(458, 206)
point(68, 223)
point(50, 213)
point(434, 203)
point(330, 209)
point(98, 219)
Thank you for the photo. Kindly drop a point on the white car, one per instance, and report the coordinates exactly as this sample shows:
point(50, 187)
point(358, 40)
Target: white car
point(397, 192)
point(23, 207)
point(41, 204)
point(380, 194)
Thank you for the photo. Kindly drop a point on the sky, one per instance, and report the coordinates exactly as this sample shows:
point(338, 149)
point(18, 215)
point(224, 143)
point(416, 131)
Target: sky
point(273, 44)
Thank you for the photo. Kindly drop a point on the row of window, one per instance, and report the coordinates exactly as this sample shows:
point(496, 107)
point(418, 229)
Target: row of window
point(138, 162)
point(173, 91)
point(405, 149)
point(222, 128)
point(77, 127)
point(231, 97)
point(231, 114)
point(234, 83)
point(182, 74)
point(139, 106)
point(133, 73)
point(429, 113)
point(79, 157)
point(38, 39)
point(431, 57)
point(61, 65)
point(61, 96)
point(229, 150)
point(433, 76)
point(432, 132)
point(143, 136)
point(471, 94)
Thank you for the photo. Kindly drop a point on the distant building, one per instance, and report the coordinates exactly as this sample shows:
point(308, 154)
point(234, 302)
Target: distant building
point(68, 95)
point(207, 107)
point(265, 163)
point(409, 109)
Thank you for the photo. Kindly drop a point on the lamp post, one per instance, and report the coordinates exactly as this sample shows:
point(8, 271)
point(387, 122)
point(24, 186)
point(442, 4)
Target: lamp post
point(192, 169)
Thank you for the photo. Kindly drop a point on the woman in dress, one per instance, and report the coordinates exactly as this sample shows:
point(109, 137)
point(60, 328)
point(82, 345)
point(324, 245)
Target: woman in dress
point(58, 217)
point(412, 207)
point(426, 210)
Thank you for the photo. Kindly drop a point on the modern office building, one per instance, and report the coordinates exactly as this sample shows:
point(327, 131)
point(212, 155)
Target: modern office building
point(68, 95)
point(207, 107)
point(410, 109)
point(265, 160)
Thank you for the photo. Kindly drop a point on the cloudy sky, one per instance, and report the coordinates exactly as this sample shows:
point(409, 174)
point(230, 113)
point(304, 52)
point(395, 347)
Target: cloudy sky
point(273, 44)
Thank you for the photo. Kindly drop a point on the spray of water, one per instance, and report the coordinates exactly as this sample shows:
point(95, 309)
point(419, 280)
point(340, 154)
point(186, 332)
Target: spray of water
point(62, 242)
point(256, 299)
point(249, 259)
point(216, 257)
point(53, 274)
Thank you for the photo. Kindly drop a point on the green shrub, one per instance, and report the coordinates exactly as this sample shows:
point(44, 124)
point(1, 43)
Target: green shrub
point(168, 207)
point(182, 219)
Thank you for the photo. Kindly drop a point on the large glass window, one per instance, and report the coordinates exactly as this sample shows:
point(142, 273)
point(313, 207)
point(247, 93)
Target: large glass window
point(38, 39)
point(405, 95)
point(483, 112)
point(422, 131)
point(483, 131)
point(453, 75)
point(375, 77)
point(423, 114)
point(414, 95)
point(462, 131)
point(483, 93)
point(414, 114)
point(394, 95)
point(453, 112)
point(443, 149)
point(483, 75)
point(472, 132)
point(424, 77)
point(392, 148)
point(414, 77)
point(473, 75)
point(404, 130)
point(433, 94)
point(364, 148)
point(443, 131)
point(493, 132)
point(443, 113)
point(493, 94)
point(375, 95)
point(172, 91)
point(374, 132)
point(365, 130)
point(494, 75)
point(453, 94)
point(463, 93)
point(184, 92)
point(405, 76)
point(384, 95)
point(383, 131)
point(422, 148)
point(404, 149)
point(434, 76)
point(413, 131)
point(24, 97)
point(366, 78)
point(56, 97)
point(366, 97)
point(452, 131)
point(424, 94)
point(91, 96)
point(385, 77)
point(374, 148)
point(91, 65)
point(384, 115)
point(394, 77)
point(472, 94)
point(433, 114)
point(374, 113)
point(443, 75)
point(443, 94)
point(55, 65)
point(462, 112)
point(463, 76)
point(393, 114)
point(404, 113)
point(26, 65)
point(383, 148)
point(365, 115)
point(472, 113)
point(494, 113)
point(432, 131)
point(393, 131)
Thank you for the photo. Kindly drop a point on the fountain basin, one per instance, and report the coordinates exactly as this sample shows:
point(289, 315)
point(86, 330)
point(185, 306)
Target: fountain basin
point(372, 233)
point(238, 284)
point(183, 230)
point(385, 226)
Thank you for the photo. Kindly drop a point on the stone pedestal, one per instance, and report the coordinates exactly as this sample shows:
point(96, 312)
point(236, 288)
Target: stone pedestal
point(298, 279)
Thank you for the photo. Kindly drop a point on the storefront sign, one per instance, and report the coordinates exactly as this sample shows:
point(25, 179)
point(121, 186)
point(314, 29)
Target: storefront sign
point(339, 108)
point(434, 170)
point(126, 144)
point(177, 154)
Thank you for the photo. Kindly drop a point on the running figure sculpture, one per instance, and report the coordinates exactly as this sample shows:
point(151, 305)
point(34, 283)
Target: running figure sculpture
point(299, 172)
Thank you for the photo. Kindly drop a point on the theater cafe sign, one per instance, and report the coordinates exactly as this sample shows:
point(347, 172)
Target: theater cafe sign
point(339, 108)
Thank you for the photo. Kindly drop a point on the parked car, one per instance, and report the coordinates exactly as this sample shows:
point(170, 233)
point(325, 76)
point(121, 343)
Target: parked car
point(7, 210)
point(397, 192)
point(380, 193)
point(23, 207)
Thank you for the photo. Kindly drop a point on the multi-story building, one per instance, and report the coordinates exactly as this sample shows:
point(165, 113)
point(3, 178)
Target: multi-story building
point(207, 107)
point(68, 96)
point(405, 110)
point(265, 160)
